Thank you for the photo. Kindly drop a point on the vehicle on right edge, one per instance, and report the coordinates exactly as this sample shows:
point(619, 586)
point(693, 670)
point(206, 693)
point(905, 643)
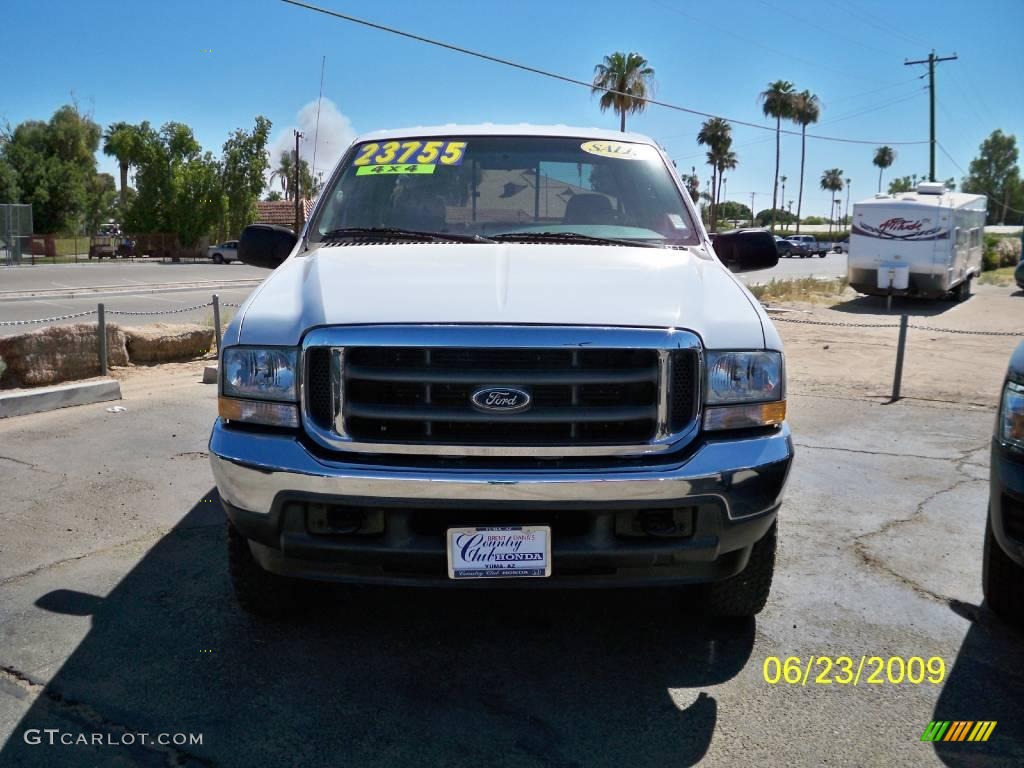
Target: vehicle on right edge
point(927, 243)
point(1003, 569)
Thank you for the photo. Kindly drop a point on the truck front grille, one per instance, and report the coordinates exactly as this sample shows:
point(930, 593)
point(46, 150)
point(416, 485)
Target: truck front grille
point(588, 396)
point(580, 394)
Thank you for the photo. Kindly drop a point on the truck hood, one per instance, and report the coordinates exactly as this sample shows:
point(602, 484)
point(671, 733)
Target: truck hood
point(501, 284)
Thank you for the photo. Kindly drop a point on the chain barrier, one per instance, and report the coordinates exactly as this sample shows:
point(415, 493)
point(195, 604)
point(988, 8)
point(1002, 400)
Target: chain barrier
point(48, 319)
point(160, 311)
point(932, 328)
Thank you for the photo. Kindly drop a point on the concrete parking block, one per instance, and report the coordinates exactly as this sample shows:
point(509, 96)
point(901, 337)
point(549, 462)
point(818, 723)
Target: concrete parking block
point(22, 402)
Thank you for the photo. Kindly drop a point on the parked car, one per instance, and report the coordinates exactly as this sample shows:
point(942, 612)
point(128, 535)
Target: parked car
point(842, 246)
point(787, 248)
point(814, 248)
point(223, 253)
point(572, 392)
point(1018, 274)
point(104, 245)
point(1003, 565)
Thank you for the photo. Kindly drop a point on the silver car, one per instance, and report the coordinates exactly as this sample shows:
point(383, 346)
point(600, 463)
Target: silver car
point(224, 252)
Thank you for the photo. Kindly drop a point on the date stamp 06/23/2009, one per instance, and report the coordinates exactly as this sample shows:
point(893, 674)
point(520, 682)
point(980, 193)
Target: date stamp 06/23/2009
point(853, 670)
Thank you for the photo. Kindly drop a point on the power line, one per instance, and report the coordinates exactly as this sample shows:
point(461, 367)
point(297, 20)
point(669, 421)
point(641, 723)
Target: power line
point(573, 81)
point(931, 61)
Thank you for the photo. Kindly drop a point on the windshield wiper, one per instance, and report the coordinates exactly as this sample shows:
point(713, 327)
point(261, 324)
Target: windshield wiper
point(574, 237)
point(407, 234)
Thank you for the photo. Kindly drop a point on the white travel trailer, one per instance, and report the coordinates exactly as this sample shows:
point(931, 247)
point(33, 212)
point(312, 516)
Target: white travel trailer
point(926, 243)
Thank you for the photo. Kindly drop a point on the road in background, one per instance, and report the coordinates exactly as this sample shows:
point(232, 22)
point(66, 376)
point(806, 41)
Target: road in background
point(128, 302)
point(832, 266)
point(125, 274)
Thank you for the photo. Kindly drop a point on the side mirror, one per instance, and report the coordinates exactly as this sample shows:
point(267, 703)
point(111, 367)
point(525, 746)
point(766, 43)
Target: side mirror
point(265, 245)
point(746, 250)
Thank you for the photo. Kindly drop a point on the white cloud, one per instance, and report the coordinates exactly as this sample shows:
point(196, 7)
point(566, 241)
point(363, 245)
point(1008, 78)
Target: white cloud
point(333, 137)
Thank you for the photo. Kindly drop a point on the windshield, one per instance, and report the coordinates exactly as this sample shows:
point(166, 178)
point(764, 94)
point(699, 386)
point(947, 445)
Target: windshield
point(508, 185)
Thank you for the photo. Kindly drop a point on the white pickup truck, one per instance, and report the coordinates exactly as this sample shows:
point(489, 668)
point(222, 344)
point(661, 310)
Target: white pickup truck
point(503, 356)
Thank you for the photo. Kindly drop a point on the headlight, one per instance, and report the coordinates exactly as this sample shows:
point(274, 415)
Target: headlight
point(264, 374)
point(743, 390)
point(1011, 415)
point(743, 377)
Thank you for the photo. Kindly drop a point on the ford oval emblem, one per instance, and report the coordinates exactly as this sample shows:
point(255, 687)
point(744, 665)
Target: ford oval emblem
point(501, 399)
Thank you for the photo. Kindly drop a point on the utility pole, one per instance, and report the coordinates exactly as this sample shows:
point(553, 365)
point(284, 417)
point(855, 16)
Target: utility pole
point(752, 208)
point(931, 61)
point(298, 221)
point(846, 216)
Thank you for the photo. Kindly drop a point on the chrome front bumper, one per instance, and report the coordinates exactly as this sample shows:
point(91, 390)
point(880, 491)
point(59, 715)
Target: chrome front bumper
point(747, 474)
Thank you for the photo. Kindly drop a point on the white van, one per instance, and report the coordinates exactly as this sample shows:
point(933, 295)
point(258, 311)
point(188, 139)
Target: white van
point(926, 243)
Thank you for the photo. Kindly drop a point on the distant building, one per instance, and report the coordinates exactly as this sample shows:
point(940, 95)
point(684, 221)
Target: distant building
point(281, 212)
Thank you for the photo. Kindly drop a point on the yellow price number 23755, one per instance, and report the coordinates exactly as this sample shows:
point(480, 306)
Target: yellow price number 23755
point(412, 151)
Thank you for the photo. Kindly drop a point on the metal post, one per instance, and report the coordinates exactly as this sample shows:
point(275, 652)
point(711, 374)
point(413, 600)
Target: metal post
point(103, 338)
point(900, 345)
point(216, 322)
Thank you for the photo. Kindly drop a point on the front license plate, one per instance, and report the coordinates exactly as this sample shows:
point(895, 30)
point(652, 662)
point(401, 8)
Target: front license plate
point(499, 553)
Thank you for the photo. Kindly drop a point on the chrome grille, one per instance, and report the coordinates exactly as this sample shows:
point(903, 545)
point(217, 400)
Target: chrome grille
point(409, 389)
point(589, 396)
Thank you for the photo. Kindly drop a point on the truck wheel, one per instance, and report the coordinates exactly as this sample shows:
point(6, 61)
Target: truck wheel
point(1002, 580)
point(746, 593)
point(258, 592)
point(218, 259)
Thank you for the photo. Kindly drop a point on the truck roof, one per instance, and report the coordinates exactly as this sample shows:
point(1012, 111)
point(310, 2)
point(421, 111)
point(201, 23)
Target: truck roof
point(495, 129)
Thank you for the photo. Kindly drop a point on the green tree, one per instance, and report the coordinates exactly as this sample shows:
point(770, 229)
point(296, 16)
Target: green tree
point(122, 140)
point(630, 77)
point(806, 110)
point(994, 173)
point(244, 164)
point(273, 196)
point(884, 157)
point(100, 194)
point(777, 101)
point(53, 163)
point(9, 191)
point(832, 181)
point(179, 187)
point(780, 215)
point(901, 184)
point(729, 210)
point(716, 135)
point(285, 172)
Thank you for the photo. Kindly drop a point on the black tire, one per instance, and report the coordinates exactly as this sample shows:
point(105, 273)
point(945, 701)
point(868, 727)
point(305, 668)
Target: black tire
point(1002, 580)
point(746, 593)
point(787, 254)
point(258, 592)
point(218, 259)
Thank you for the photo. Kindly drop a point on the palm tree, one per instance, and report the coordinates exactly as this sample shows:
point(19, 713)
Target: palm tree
point(724, 161)
point(121, 140)
point(716, 135)
point(285, 172)
point(628, 75)
point(806, 110)
point(782, 195)
point(832, 181)
point(884, 157)
point(777, 102)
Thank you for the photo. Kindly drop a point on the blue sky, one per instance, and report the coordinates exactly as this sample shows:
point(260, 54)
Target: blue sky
point(138, 61)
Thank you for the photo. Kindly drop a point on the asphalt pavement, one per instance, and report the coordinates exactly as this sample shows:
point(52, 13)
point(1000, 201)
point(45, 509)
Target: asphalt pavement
point(116, 617)
point(831, 266)
point(119, 274)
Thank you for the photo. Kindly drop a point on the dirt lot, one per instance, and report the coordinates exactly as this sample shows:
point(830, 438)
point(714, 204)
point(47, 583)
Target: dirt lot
point(850, 361)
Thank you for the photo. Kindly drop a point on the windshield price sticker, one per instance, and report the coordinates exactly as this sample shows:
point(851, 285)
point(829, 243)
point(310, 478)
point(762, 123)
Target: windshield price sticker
point(488, 553)
point(412, 152)
point(383, 170)
point(617, 149)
